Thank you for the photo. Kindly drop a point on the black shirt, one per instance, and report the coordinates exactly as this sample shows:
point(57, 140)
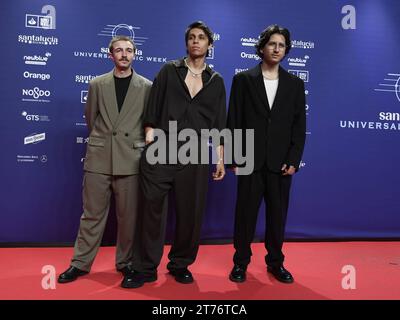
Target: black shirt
point(121, 88)
point(170, 100)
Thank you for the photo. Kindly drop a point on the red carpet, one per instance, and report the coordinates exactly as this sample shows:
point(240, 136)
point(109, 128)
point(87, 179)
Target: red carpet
point(316, 267)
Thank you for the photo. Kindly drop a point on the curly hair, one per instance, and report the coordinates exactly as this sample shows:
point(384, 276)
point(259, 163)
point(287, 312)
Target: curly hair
point(267, 33)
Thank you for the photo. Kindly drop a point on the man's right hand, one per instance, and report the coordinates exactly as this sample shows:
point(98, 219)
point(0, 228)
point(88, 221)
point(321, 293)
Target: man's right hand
point(149, 135)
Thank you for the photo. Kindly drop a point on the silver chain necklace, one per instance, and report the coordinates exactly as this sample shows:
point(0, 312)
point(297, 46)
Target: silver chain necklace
point(194, 74)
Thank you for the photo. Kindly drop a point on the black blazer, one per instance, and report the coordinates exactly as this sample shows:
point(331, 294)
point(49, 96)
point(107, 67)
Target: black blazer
point(280, 132)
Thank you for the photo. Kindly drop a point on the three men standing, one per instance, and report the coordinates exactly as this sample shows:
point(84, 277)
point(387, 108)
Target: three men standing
point(266, 99)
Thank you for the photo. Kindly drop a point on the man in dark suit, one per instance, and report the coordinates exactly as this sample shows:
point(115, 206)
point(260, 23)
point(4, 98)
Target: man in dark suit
point(272, 102)
point(114, 112)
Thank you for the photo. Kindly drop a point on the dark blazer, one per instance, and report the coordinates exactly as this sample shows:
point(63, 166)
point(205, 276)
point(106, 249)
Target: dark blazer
point(279, 133)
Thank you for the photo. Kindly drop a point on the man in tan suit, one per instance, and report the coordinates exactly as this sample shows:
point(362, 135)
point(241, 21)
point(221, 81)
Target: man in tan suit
point(114, 108)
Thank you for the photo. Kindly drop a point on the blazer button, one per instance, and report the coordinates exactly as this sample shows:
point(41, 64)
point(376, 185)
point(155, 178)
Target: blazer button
point(114, 133)
point(126, 134)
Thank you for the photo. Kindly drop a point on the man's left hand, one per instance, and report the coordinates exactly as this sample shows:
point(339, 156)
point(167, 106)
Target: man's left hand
point(288, 171)
point(220, 172)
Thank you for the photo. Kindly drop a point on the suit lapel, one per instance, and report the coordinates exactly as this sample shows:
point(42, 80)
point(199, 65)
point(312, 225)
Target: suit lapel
point(110, 97)
point(282, 86)
point(130, 98)
point(258, 82)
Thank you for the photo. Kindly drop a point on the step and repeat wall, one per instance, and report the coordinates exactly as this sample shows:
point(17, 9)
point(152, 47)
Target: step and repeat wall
point(347, 53)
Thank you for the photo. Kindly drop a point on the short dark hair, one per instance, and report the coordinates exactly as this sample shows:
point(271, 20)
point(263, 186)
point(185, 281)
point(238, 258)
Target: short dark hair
point(200, 25)
point(267, 33)
point(120, 38)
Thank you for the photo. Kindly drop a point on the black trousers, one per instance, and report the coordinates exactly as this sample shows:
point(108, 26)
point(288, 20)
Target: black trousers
point(190, 184)
point(274, 188)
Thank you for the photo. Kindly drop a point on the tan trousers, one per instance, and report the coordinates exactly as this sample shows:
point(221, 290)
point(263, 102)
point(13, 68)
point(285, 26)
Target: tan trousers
point(97, 189)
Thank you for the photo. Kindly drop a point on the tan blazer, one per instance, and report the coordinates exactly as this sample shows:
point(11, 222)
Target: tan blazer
point(116, 140)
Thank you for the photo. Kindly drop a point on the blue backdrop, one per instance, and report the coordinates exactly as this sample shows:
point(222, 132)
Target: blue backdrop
point(346, 52)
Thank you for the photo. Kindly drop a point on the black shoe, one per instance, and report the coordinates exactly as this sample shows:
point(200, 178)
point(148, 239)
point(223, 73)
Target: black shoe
point(281, 274)
point(238, 273)
point(125, 270)
point(71, 274)
point(136, 279)
point(182, 275)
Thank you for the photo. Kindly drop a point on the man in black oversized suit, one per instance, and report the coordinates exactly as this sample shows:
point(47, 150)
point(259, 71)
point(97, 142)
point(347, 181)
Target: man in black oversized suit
point(271, 101)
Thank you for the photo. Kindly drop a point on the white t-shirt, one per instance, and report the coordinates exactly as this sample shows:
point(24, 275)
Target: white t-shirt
point(271, 86)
